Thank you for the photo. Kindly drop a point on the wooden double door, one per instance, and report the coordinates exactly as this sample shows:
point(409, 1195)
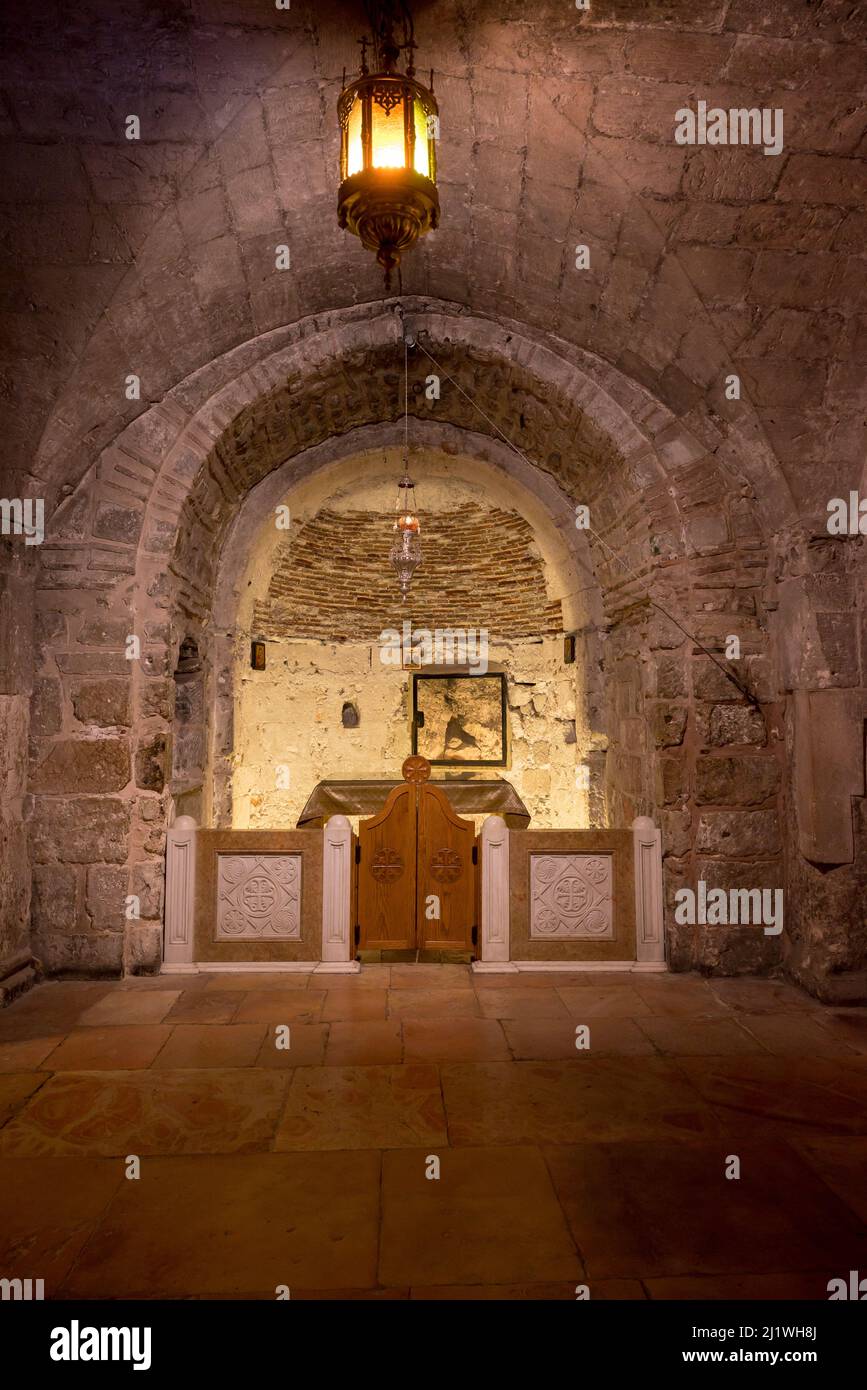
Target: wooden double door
point(416, 864)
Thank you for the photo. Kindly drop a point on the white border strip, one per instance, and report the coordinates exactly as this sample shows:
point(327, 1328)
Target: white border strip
point(634, 967)
point(264, 967)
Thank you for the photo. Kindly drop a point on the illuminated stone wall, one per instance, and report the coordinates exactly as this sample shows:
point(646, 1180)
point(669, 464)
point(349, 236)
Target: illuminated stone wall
point(288, 727)
point(329, 593)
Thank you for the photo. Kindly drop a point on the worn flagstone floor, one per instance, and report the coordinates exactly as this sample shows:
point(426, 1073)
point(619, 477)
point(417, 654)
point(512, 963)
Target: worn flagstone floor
point(307, 1168)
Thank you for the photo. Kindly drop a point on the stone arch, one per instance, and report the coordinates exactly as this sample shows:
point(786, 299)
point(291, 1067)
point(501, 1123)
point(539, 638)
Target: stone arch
point(657, 490)
point(448, 453)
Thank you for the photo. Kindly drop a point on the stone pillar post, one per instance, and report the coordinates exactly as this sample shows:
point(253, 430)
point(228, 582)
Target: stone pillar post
point(337, 898)
point(180, 896)
point(495, 895)
point(649, 922)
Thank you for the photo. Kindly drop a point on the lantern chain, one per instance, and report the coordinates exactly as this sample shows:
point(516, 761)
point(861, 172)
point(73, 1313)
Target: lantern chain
point(384, 17)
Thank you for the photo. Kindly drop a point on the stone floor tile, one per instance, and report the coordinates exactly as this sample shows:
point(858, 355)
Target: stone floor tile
point(201, 1045)
point(50, 1008)
point(281, 1006)
point(515, 1003)
point(148, 1112)
point(606, 1001)
point(759, 996)
point(189, 983)
point(547, 979)
point(459, 1039)
point(548, 1039)
point(660, 1208)
point(233, 1225)
point(678, 996)
point(563, 1102)
point(618, 1290)
point(306, 1046)
point(125, 1007)
point(350, 1295)
point(369, 977)
point(374, 1043)
point(423, 976)
point(795, 1034)
point(846, 1025)
point(434, 1003)
point(794, 1096)
point(108, 1049)
point(362, 1108)
point(706, 1036)
point(842, 1164)
point(74, 995)
point(344, 1005)
point(15, 1090)
point(491, 1218)
point(497, 1293)
point(49, 1208)
point(27, 1054)
point(202, 1006)
point(248, 981)
point(781, 1286)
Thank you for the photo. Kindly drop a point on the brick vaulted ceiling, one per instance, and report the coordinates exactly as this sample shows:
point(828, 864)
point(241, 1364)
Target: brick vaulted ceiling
point(481, 570)
point(156, 257)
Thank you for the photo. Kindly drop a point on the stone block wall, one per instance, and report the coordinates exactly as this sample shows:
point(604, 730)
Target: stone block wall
point(96, 781)
point(17, 569)
point(653, 703)
point(288, 727)
point(821, 646)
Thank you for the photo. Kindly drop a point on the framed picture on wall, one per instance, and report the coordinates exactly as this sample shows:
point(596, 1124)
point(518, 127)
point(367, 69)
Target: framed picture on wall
point(459, 721)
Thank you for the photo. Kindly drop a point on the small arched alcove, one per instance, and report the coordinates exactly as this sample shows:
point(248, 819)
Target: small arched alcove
point(497, 592)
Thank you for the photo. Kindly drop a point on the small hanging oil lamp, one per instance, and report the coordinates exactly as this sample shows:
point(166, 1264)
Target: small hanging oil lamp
point(406, 547)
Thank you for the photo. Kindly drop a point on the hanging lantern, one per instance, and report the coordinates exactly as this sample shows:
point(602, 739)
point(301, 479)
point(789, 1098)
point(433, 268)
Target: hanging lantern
point(389, 124)
point(406, 547)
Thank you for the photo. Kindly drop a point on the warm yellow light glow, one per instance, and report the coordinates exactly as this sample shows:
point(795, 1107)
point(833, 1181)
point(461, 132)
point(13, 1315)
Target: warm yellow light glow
point(389, 145)
point(421, 158)
point(355, 149)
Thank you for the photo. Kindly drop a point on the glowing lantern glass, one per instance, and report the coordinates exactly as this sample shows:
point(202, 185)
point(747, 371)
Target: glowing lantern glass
point(389, 124)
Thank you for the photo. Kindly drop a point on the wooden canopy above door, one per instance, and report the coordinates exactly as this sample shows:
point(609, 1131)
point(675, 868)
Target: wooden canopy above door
point(416, 863)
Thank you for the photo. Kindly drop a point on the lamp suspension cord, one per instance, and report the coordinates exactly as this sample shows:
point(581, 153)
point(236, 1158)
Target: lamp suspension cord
point(383, 17)
point(408, 28)
point(729, 675)
point(405, 407)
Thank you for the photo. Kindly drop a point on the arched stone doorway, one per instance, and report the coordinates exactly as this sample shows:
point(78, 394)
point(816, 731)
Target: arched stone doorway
point(675, 531)
point(497, 565)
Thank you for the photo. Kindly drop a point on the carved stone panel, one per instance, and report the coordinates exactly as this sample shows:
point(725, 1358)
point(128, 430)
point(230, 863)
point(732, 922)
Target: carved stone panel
point(570, 897)
point(258, 897)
